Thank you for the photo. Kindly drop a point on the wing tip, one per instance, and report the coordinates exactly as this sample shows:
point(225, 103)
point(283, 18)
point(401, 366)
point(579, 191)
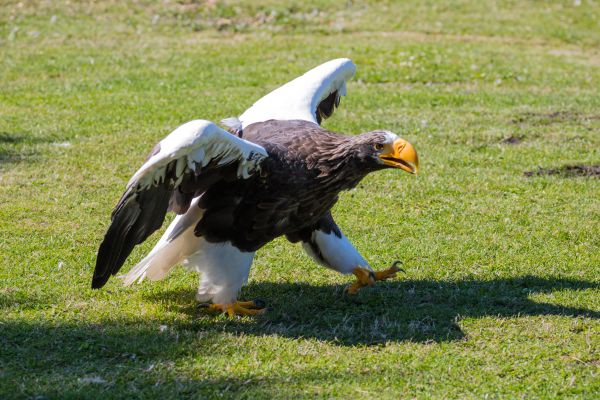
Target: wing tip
point(345, 60)
point(341, 63)
point(98, 282)
point(298, 98)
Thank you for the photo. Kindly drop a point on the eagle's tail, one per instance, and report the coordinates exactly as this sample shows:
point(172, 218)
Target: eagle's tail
point(156, 265)
point(177, 243)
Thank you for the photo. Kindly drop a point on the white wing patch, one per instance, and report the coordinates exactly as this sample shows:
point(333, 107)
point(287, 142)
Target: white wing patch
point(299, 98)
point(198, 143)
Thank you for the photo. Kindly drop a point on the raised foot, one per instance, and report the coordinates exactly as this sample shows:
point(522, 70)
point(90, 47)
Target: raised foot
point(366, 277)
point(252, 307)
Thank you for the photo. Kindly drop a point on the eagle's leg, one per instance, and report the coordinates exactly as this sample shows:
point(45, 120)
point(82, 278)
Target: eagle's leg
point(366, 277)
point(328, 246)
point(224, 269)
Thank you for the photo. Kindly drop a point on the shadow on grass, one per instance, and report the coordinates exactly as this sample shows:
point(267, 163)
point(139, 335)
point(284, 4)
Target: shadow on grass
point(415, 310)
point(125, 360)
point(137, 356)
point(12, 148)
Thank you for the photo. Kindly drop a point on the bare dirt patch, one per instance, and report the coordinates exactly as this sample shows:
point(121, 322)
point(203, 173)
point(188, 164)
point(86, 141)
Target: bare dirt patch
point(555, 117)
point(512, 140)
point(577, 56)
point(568, 171)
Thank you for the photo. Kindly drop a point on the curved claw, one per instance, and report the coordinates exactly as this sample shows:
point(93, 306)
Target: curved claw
point(366, 277)
point(395, 265)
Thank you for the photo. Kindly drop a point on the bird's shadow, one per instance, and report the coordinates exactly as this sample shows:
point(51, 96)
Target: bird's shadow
point(407, 310)
point(415, 310)
point(16, 147)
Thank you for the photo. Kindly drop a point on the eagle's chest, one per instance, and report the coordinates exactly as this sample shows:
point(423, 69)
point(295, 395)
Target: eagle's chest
point(281, 205)
point(298, 196)
point(282, 201)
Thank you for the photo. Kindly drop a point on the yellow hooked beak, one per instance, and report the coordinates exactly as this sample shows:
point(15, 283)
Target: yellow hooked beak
point(400, 154)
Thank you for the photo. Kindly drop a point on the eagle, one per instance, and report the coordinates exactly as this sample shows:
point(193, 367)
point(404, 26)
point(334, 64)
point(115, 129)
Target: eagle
point(274, 172)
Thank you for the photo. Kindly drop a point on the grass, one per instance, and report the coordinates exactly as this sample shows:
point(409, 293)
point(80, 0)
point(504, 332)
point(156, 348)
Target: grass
point(501, 298)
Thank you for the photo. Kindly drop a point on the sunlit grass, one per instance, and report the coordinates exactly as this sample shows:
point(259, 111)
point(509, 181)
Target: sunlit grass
point(501, 291)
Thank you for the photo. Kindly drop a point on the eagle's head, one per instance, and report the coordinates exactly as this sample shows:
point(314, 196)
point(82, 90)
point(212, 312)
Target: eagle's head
point(383, 149)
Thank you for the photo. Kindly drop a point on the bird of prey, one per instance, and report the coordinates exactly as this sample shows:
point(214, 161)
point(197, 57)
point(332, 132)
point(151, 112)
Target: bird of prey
point(274, 172)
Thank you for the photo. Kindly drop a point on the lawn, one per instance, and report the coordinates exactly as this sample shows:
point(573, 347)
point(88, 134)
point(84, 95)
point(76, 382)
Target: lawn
point(499, 233)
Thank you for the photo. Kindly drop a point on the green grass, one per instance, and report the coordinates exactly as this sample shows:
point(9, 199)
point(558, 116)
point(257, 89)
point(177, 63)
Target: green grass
point(501, 298)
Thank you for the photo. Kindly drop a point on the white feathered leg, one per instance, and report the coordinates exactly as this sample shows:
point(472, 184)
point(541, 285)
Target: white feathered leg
point(335, 251)
point(224, 270)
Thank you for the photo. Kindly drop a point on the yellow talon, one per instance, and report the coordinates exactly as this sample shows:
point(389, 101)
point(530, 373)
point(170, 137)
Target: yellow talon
point(237, 308)
point(249, 303)
point(388, 273)
point(366, 277)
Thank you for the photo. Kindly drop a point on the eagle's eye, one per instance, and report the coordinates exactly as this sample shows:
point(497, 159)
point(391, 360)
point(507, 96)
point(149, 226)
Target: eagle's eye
point(378, 146)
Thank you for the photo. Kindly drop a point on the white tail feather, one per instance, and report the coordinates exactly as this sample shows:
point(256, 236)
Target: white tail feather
point(157, 264)
point(177, 242)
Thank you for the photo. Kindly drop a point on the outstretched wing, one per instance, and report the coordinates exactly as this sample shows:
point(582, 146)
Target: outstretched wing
point(326, 244)
point(310, 97)
point(183, 165)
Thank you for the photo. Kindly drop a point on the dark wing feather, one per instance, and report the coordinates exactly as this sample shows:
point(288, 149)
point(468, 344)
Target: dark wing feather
point(136, 217)
point(326, 107)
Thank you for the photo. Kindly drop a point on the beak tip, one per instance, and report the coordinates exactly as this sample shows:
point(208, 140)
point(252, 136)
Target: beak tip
point(403, 156)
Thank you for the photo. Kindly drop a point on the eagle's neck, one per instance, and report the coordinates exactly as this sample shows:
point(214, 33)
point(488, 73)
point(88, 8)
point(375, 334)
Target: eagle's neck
point(341, 162)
